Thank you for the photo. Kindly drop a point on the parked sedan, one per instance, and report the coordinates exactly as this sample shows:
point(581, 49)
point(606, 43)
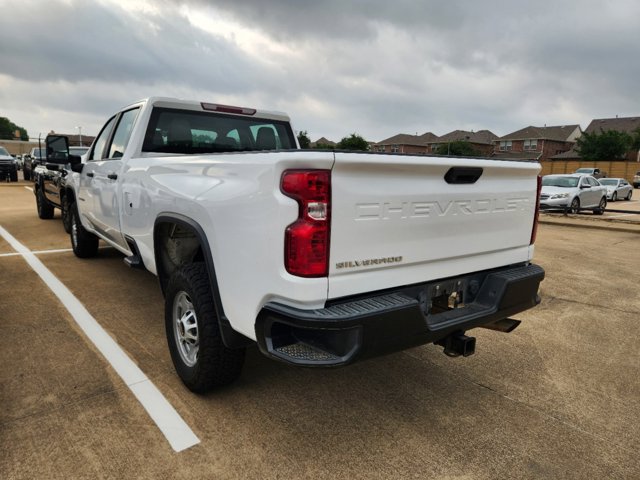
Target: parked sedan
point(594, 172)
point(617, 188)
point(573, 192)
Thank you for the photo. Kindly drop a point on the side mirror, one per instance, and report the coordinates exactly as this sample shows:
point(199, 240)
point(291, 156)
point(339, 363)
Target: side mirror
point(585, 186)
point(57, 149)
point(77, 167)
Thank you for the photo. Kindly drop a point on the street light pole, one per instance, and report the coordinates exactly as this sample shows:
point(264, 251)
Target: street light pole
point(80, 135)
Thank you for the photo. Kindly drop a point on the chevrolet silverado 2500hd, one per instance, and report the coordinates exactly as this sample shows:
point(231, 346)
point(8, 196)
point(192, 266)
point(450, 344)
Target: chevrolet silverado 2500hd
point(322, 258)
point(50, 185)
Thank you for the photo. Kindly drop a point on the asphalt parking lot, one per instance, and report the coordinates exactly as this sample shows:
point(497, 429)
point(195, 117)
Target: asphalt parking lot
point(557, 398)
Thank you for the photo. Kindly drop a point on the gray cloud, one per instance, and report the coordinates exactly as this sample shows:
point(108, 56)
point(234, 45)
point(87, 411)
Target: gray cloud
point(374, 67)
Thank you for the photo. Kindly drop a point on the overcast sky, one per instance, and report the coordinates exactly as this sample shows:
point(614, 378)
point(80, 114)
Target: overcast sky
point(336, 67)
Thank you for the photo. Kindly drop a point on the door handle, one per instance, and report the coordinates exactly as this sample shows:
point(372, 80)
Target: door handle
point(90, 174)
point(112, 176)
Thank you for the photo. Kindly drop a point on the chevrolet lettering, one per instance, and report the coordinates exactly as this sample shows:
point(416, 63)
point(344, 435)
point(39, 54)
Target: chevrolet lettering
point(425, 209)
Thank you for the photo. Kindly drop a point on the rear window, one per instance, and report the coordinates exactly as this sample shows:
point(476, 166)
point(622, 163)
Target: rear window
point(189, 132)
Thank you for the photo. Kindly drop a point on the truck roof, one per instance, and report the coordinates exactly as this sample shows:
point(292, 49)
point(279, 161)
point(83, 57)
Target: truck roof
point(202, 106)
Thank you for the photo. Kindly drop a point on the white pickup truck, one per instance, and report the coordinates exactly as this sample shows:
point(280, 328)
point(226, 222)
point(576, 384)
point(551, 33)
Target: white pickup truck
point(322, 258)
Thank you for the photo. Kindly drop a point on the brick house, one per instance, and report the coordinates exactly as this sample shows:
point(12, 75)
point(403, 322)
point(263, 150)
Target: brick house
point(323, 142)
point(539, 143)
point(404, 143)
point(482, 140)
point(597, 125)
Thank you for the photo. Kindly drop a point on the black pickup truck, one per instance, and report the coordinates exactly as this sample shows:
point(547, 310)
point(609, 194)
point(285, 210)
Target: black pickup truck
point(49, 181)
point(8, 166)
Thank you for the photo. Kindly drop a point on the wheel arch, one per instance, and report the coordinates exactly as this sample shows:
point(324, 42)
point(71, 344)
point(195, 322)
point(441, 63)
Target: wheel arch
point(179, 240)
point(68, 193)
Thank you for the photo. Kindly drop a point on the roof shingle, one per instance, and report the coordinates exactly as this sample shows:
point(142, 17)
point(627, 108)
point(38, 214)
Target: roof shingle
point(626, 124)
point(559, 133)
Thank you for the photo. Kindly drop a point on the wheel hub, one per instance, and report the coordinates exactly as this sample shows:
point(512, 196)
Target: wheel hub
point(186, 329)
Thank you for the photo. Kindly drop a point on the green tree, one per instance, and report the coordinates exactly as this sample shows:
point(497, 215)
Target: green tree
point(304, 140)
point(606, 145)
point(458, 147)
point(635, 139)
point(353, 142)
point(8, 130)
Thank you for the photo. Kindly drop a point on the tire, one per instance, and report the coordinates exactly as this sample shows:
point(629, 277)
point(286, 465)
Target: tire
point(614, 197)
point(628, 198)
point(26, 175)
point(14, 176)
point(199, 355)
point(45, 210)
point(601, 206)
point(66, 214)
point(83, 243)
point(575, 205)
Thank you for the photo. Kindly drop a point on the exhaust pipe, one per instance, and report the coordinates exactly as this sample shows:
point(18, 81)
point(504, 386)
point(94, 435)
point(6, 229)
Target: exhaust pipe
point(506, 325)
point(458, 344)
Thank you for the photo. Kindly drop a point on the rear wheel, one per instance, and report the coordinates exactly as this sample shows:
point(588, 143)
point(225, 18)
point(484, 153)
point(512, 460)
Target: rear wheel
point(199, 355)
point(601, 206)
point(45, 211)
point(575, 205)
point(614, 197)
point(84, 243)
point(630, 194)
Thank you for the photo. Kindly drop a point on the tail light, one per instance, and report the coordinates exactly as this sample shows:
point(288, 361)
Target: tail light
point(306, 246)
point(534, 231)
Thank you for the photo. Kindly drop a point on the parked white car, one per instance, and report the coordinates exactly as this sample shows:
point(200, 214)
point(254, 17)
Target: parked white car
point(573, 192)
point(594, 172)
point(617, 188)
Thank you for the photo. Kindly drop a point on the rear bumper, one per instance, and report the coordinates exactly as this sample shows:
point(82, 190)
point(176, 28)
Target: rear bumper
point(348, 330)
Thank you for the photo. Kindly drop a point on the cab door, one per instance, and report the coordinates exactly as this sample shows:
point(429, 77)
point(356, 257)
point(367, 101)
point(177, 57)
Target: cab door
point(101, 187)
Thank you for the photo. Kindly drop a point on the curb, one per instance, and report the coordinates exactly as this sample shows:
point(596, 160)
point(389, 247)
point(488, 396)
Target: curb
point(619, 227)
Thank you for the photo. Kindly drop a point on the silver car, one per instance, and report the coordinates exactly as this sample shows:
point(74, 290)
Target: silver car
point(572, 193)
point(617, 188)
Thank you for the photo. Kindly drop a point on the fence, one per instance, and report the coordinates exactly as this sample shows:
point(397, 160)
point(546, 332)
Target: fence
point(614, 168)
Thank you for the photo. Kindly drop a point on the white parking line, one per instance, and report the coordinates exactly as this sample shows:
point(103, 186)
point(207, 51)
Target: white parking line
point(29, 188)
point(174, 428)
point(37, 252)
point(621, 216)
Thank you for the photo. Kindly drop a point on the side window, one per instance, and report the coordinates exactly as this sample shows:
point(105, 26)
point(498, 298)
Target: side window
point(101, 141)
point(123, 133)
point(594, 182)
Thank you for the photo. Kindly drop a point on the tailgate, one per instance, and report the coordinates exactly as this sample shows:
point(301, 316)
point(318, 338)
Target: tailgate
point(396, 220)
